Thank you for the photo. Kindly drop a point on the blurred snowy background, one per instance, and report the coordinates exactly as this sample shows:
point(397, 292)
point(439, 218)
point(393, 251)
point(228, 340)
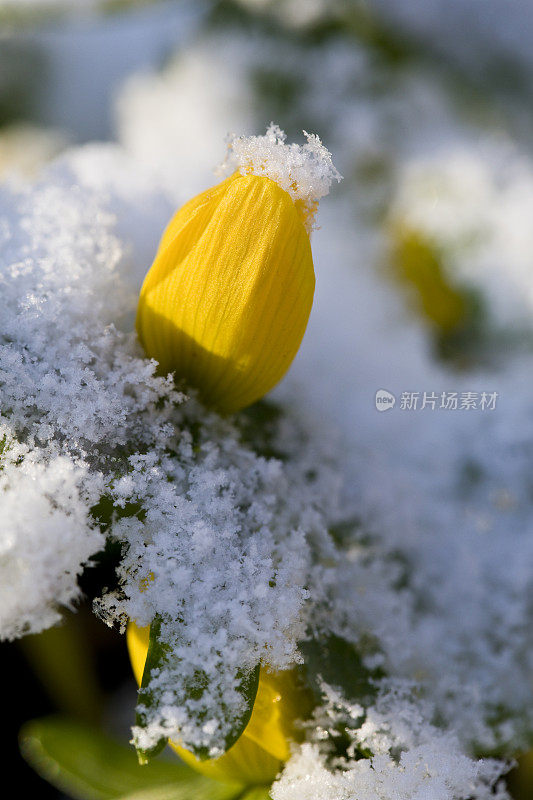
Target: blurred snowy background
point(424, 261)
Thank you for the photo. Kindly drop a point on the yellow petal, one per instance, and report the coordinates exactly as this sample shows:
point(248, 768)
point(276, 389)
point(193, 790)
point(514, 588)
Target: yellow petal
point(226, 302)
point(246, 762)
point(258, 755)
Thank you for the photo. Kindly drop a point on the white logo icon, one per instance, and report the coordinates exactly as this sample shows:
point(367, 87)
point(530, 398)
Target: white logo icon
point(384, 400)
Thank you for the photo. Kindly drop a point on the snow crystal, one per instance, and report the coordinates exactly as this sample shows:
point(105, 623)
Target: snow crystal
point(70, 384)
point(306, 171)
point(46, 539)
point(411, 759)
point(440, 501)
point(231, 555)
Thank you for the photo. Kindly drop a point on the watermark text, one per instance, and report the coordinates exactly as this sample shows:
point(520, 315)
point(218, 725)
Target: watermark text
point(437, 401)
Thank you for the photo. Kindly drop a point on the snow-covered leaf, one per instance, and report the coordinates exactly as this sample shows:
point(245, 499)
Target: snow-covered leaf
point(160, 659)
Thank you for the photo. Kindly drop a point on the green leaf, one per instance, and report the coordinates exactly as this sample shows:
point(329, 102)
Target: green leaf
point(160, 657)
point(187, 791)
point(222, 792)
point(248, 685)
point(257, 793)
point(338, 663)
point(88, 765)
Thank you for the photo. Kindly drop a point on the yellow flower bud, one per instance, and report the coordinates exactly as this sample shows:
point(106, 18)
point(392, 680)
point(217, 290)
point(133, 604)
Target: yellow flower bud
point(226, 301)
point(259, 753)
point(416, 262)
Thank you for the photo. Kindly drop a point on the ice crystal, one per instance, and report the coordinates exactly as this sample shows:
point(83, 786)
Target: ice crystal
point(306, 171)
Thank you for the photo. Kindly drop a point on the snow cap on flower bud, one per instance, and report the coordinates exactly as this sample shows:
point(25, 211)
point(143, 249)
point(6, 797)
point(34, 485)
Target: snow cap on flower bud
point(226, 302)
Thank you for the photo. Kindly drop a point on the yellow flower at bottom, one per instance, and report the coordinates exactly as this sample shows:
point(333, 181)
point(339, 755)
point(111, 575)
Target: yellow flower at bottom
point(259, 754)
point(226, 301)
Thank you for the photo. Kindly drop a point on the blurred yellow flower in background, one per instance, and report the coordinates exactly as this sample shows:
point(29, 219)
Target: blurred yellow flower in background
point(226, 302)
